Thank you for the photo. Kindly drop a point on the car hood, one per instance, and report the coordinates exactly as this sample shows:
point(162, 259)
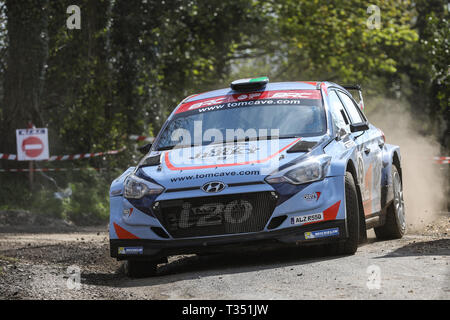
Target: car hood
point(238, 162)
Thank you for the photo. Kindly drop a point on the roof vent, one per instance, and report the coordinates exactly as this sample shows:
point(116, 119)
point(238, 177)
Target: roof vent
point(249, 84)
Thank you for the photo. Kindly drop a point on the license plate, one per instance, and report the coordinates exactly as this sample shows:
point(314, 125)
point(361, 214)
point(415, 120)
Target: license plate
point(307, 218)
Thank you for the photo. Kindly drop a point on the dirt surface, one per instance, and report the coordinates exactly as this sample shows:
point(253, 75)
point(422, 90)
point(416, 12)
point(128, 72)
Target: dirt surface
point(37, 263)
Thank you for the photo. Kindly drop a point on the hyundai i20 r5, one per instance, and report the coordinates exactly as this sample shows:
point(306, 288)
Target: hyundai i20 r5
point(257, 164)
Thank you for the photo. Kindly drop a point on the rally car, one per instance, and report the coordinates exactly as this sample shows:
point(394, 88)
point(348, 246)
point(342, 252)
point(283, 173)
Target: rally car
point(257, 164)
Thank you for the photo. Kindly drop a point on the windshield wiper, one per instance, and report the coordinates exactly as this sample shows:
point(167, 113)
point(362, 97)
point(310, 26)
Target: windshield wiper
point(171, 147)
point(165, 148)
point(175, 146)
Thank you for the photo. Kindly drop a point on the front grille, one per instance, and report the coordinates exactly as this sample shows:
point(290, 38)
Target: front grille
point(216, 215)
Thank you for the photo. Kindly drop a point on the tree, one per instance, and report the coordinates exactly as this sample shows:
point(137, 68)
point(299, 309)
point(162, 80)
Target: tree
point(428, 72)
point(25, 68)
point(3, 46)
point(79, 88)
point(330, 40)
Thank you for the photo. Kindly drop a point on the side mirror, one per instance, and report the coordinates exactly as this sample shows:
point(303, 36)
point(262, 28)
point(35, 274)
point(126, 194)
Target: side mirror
point(145, 148)
point(355, 127)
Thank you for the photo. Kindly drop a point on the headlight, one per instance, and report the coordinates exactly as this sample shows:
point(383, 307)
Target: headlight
point(309, 170)
point(136, 188)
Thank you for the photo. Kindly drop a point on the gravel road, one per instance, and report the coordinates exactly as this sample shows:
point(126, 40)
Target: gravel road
point(39, 264)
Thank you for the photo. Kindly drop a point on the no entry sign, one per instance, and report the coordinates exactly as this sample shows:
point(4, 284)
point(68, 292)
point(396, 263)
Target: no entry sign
point(32, 144)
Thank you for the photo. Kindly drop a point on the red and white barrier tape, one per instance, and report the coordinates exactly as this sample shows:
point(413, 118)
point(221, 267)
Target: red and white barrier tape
point(5, 156)
point(51, 169)
point(84, 155)
point(141, 138)
point(442, 160)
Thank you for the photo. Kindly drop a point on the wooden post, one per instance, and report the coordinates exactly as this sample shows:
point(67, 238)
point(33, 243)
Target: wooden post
point(30, 125)
point(30, 174)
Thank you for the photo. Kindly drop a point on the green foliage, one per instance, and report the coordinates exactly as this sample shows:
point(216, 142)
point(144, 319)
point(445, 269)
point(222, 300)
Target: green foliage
point(88, 205)
point(330, 40)
point(44, 202)
point(16, 195)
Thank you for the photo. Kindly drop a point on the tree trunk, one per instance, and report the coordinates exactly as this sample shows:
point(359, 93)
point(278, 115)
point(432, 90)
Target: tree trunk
point(25, 68)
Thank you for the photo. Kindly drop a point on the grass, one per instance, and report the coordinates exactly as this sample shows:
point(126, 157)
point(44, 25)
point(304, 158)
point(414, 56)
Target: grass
point(8, 259)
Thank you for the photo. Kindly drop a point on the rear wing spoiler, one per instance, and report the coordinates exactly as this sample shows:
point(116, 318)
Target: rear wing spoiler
point(356, 87)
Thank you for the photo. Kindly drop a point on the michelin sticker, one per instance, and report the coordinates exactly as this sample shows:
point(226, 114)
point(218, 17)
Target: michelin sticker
point(131, 250)
point(322, 233)
point(307, 218)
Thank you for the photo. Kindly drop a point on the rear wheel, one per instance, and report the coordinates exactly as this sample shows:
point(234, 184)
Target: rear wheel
point(140, 269)
point(395, 225)
point(349, 245)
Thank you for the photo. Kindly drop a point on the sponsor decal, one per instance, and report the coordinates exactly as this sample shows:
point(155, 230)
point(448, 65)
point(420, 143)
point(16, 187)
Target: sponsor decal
point(210, 214)
point(127, 212)
point(291, 95)
point(248, 96)
point(322, 233)
point(217, 174)
point(307, 218)
point(349, 144)
point(360, 169)
point(172, 167)
point(234, 100)
point(131, 250)
point(225, 151)
point(207, 103)
point(367, 194)
point(312, 196)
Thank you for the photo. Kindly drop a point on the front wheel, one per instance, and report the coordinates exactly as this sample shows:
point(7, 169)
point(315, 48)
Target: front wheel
point(349, 245)
point(395, 225)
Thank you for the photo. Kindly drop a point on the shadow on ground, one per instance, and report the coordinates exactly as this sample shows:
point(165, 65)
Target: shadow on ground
point(50, 229)
point(195, 267)
point(440, 247)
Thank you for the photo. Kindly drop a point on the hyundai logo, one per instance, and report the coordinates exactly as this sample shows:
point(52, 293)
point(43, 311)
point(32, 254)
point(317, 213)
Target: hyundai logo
point(213, 187)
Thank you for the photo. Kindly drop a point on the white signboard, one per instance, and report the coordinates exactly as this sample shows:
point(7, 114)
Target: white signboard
point(32, 144)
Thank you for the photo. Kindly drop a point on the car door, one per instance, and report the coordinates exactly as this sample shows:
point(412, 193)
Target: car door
point(369, 154)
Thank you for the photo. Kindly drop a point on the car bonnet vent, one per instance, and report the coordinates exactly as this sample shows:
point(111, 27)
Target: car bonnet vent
point(302, 146)
point(152, 161)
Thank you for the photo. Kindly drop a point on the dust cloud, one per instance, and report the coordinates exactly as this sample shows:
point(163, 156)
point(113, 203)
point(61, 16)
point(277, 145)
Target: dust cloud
point(424, 182)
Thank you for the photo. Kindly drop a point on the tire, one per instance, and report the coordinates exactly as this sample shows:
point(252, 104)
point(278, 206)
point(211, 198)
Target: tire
point(395, 224)
point(140, 269)
point(349, 245)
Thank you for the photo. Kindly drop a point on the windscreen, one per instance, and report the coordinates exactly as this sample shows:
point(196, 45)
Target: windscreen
point(239, 120)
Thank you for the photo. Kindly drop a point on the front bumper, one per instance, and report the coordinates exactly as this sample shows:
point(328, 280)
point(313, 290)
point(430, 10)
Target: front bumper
point(156, 249)
point(146, 236)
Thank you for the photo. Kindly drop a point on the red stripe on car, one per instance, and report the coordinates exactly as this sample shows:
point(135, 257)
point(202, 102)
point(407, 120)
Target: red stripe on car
point(122, 233)
point(331, 212)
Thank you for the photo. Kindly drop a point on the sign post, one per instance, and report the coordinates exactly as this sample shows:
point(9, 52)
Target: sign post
point(32, 145)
